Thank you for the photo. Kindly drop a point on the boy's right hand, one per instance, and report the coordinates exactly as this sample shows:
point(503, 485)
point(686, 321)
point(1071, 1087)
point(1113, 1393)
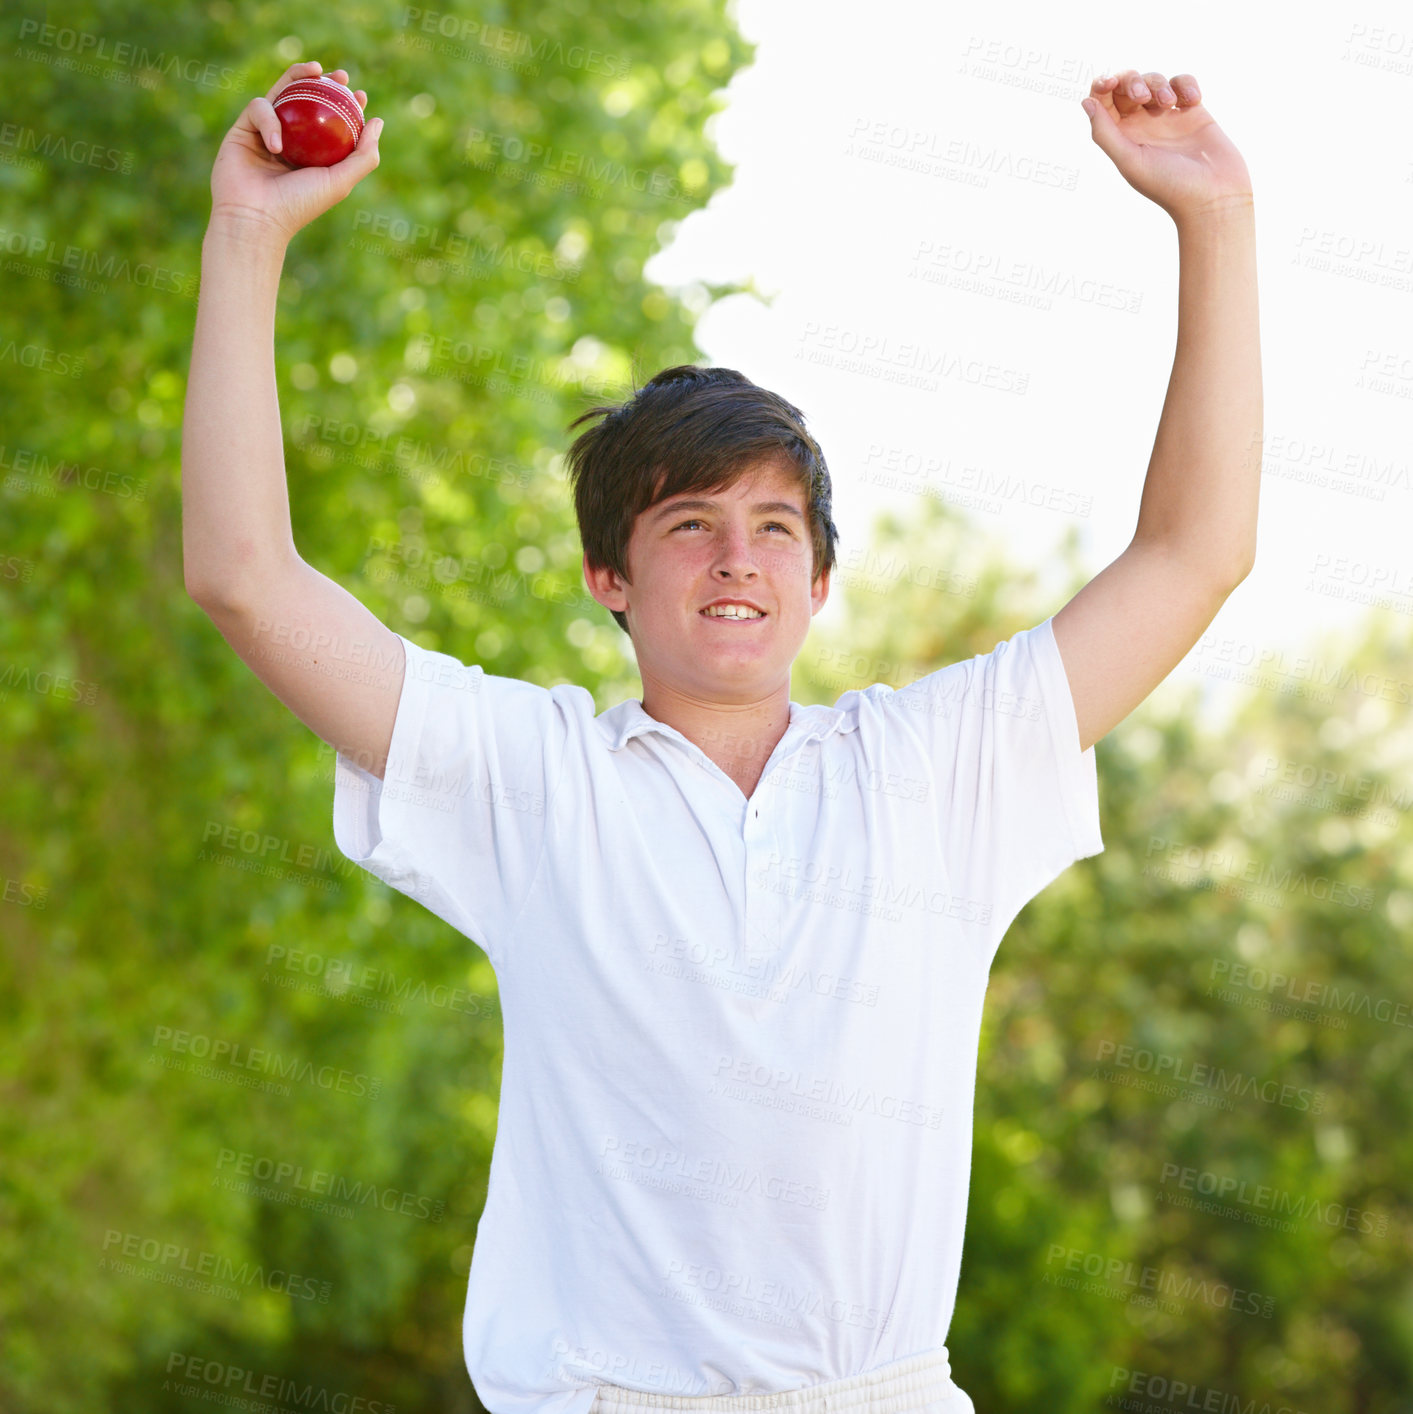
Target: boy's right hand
point(254, 189)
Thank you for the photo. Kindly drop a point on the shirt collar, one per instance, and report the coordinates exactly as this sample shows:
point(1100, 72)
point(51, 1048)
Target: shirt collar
point(622, 723)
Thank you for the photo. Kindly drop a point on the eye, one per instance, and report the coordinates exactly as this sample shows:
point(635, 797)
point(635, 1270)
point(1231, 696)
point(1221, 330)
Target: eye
point(687, 523)
point(779, 526)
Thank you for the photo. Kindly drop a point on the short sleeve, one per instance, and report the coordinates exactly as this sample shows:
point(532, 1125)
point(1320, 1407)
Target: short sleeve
point(458, 820)
point(1019, 800)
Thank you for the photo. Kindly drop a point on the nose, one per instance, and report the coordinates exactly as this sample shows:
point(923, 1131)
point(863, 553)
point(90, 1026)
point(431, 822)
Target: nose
point(733, 556)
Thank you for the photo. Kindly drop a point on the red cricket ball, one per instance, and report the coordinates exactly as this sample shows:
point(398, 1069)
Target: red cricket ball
point(320, 122)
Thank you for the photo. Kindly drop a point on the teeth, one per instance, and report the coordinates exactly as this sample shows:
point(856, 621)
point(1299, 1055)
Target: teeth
point(733, 611)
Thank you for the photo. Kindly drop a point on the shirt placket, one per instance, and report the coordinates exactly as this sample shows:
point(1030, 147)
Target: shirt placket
point(765, 904)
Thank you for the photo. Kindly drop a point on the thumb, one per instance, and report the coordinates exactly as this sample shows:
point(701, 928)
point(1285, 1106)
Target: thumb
point(1105, 132)
point(363, 159)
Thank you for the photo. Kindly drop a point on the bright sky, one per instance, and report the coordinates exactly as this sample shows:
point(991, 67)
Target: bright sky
point(912, 178)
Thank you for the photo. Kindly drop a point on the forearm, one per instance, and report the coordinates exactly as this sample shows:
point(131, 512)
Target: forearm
point(1201, 491)
point(235, 505)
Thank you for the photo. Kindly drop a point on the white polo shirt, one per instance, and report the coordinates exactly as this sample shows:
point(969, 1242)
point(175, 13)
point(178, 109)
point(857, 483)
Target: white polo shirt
point(734, 1142)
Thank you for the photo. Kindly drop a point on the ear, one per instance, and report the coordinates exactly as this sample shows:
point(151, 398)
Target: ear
point(605, 585)
point(819, 592)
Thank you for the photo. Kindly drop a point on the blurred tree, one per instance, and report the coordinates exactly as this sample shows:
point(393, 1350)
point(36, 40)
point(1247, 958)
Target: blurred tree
point(167, 849)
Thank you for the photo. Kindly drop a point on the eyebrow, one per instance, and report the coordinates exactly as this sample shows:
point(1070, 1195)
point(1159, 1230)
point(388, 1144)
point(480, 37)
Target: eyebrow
point(760, 508)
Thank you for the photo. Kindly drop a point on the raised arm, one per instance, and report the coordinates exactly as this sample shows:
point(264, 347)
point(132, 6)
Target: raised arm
point(1126, 630)
point(323, 654)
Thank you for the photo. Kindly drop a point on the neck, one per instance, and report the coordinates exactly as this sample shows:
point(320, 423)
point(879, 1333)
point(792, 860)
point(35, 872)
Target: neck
point(738, 736)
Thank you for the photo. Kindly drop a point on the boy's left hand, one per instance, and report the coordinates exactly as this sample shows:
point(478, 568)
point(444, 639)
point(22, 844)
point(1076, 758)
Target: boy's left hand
point(1166, 144)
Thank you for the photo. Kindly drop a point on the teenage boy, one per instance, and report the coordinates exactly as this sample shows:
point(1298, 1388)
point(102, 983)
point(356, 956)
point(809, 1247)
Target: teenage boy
point(741, 945)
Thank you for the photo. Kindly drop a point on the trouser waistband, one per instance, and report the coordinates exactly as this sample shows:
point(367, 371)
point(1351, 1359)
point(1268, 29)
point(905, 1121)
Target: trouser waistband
point(920, 1384)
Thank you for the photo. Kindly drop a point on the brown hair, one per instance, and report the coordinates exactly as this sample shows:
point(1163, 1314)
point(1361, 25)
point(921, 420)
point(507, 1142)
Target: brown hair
point(687, 429)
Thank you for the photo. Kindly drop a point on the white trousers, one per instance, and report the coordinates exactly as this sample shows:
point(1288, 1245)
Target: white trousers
point(921, 1384)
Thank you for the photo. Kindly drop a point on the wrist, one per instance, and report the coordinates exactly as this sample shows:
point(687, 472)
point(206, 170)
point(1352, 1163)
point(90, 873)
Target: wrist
point(244, 231)
point(1233, 211)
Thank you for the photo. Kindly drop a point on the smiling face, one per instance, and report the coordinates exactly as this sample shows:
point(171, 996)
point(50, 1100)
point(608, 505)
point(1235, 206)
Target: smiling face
point(746, 550)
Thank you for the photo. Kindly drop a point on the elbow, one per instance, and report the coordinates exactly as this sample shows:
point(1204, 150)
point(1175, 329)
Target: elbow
point(212, 599)
point(1225, 572)
point(1219, 568)
point(191, 584)
point(233, 589)
point(1225, 585)
point(197, 589)
point(197, 584)
point(1244, 569)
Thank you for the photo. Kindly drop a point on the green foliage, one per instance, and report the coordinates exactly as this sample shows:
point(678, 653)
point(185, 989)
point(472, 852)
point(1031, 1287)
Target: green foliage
point(436, 333)
point(140, 757)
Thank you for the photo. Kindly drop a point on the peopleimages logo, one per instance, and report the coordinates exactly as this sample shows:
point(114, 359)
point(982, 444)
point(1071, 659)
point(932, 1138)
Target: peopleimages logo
point(229, 1384)
point(1179, 1394)
point(240, 1057)
point(1178, 1070)
point(741, 1077)
point(80, 48)
point(322, 1183)
point(178, 1265)
point(1115, 1277)
point(1276, 1201)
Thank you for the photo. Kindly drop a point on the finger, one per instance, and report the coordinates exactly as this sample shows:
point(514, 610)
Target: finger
point(341, 76)
point(1102, 86)
point(1105, 131)
point(302, 70)
point(260, 117)
point(1163, 96)
point(1188, 93)
point(1130, 92)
